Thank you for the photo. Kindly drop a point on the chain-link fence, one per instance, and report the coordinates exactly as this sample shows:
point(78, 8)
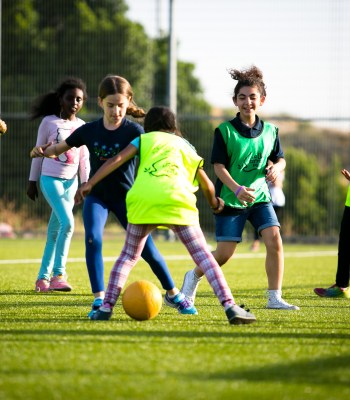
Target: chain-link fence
point(44, 41)
point(314, 188)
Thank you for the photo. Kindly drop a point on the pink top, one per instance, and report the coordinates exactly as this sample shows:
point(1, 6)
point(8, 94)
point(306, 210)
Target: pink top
point(54, 129)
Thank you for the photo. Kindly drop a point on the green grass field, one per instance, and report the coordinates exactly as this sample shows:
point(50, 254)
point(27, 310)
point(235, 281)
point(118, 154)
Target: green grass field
point(50, 350)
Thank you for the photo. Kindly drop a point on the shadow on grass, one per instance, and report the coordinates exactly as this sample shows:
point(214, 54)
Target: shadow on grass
point(321, 370)
point(235, 333)
point(34, 294)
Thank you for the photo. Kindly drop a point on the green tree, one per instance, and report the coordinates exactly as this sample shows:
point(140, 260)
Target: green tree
point(44, 41)
point(333, 188)
point(21, 44)
point(304, 213)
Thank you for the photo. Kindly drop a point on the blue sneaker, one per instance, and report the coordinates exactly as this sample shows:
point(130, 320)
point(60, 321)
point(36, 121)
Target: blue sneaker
point(104, 313)
point(183, 305)
point(95, 306)
point(333, 291)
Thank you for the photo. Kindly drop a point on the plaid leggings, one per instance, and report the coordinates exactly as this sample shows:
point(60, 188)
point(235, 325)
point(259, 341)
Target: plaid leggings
point(191, 236)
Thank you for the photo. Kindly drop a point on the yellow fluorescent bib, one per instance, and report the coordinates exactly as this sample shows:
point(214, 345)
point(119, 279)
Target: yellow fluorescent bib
point(347, 202)
point(164, 189)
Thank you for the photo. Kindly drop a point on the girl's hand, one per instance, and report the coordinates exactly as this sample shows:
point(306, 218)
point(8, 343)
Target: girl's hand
point(346, 173)
point(82, 192)
point(32, 191)
point(271, 173)
point(38, 151)
point(219, 205)
point(245, 195)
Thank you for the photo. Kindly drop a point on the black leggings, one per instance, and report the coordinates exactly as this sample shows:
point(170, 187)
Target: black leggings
point(343, 270)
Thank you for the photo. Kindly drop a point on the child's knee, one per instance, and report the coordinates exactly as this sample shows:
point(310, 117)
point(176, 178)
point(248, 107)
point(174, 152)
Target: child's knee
point(92, 242)
point(222, 257)
point(68, 227)
point(274, 242)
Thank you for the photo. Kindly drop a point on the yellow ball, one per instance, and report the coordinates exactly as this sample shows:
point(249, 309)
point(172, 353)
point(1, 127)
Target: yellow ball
point(3, 127)
point(142, 300)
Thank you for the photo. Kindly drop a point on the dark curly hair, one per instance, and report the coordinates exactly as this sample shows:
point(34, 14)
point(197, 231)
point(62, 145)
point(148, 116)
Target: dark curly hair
point(49, 103)
point(248, 77)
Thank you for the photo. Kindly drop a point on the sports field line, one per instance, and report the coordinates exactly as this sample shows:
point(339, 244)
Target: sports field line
point(299, 254)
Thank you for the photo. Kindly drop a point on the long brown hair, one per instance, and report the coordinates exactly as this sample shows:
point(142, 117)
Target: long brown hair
point(114, 84)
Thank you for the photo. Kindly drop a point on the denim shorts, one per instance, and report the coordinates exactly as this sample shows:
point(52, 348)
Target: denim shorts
point(231, 222)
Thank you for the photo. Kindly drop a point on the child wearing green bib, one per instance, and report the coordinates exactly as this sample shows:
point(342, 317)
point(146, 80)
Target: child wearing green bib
point(247, 154)
point(163, 194)
point(341, 287)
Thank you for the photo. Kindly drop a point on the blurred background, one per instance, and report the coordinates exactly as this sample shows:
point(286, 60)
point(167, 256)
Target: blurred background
point(302, 47)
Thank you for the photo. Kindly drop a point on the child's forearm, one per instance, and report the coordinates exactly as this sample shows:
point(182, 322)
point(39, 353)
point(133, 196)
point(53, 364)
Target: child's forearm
point(280, 164)
point(274, 170)
point(113, 163)
point(55, 150)
point(108, 167)
point(209, 194)
point(51, 152)
point(225, 177)
point(208, 190)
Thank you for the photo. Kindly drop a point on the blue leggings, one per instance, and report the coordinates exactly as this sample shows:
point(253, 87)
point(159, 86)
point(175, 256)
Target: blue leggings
point(95, 213)
point(59, 193)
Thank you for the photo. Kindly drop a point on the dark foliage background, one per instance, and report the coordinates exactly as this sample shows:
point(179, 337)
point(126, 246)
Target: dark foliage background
point(44, 41)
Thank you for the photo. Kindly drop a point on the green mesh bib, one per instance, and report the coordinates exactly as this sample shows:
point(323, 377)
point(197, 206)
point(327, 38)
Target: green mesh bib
point(248, 159)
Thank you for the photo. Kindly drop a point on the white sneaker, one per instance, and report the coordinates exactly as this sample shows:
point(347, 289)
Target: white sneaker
point(276, 302)
point(190, 285)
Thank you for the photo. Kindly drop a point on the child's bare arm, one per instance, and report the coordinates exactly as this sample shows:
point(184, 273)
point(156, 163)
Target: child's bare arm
point(109, 166)
point(244, 194)
point(207, 186)
point(273, 170)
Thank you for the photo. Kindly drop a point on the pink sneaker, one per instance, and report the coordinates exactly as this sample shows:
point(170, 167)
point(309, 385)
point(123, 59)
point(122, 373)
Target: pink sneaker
point(59, 283)
point(42, 285)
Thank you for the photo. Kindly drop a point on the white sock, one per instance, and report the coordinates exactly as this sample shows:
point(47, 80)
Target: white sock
point(196, 276)
point(275, 293)
point(173, 295)
point(228, 305)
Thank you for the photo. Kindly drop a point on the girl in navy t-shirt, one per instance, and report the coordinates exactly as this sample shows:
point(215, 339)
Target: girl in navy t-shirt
point(105, 138)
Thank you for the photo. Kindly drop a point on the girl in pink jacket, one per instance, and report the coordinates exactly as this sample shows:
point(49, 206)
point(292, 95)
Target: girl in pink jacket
point(58, 177)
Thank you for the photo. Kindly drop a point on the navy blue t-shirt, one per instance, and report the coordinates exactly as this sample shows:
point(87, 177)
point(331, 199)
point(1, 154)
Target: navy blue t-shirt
point(102, 145)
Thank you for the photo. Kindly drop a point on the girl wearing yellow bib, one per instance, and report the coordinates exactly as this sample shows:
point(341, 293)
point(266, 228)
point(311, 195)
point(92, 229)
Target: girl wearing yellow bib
point(341, 287)
point(169, 177)
point(163, 194)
